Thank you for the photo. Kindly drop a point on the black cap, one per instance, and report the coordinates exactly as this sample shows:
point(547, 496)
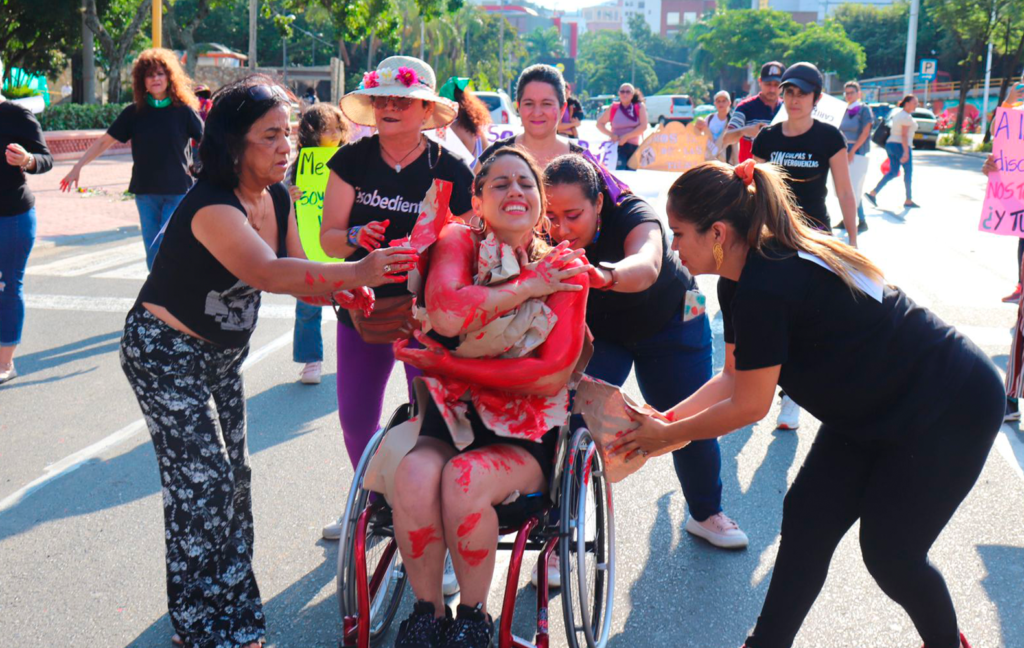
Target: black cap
point(804, 76)
point(772, 71)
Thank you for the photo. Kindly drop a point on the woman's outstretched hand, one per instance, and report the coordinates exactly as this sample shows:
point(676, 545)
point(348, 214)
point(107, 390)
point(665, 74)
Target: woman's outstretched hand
point(650, 438)
point(551, 273)
point(387, 265)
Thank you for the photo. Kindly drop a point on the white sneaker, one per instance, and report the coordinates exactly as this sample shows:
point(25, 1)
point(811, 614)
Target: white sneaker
point(720, 530)
point(332, 531)
point(8, 374)
point(449, 584)
point(789, 415)
point(311, 373)
point(554, 573)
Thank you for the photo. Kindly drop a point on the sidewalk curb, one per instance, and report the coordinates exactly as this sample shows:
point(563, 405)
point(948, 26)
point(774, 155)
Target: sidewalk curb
point(88, 238)
point(959, 151)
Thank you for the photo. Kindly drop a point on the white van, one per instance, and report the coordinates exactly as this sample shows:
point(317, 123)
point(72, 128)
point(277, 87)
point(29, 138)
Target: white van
point(666, 108)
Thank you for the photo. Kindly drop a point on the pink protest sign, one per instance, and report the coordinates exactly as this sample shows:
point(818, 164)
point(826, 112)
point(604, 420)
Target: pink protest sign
point(1003, 209)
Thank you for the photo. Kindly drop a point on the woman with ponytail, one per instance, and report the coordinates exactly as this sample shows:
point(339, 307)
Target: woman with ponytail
point(909, 407)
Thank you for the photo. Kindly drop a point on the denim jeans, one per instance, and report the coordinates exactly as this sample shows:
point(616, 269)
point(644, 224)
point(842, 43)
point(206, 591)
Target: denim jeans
point(154, 212)
point(17, 236)
point(308, 340)
point(670, 366)
point(895, 152)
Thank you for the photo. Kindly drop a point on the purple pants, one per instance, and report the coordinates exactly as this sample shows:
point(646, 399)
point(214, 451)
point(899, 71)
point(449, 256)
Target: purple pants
point(363, 372)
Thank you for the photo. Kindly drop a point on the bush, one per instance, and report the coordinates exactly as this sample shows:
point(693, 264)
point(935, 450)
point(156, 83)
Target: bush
point(952, 139)
point(79, 116)
point(20, 92)
point(984, 147)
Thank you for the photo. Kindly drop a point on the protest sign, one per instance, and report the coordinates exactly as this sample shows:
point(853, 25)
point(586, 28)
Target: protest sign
point(1003, 209)
point(671, 147)
point(605, 151)
point(311, 177)
point(828, 109)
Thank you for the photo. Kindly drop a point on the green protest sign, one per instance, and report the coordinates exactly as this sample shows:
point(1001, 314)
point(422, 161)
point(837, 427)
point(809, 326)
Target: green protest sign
point(311, 177)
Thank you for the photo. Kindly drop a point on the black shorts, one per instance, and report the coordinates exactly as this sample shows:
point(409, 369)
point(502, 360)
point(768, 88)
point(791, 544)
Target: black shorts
point(543, 451)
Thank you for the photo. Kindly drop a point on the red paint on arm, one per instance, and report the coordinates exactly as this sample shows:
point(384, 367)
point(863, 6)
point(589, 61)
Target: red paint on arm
point(670, 417)
point(473, 557)
point(468, 524)
point(309, 278)
point(421, 538)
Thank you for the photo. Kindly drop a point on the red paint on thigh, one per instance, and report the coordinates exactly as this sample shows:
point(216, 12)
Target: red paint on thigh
point(473, 557)
point(468, 524)
point(420, 538)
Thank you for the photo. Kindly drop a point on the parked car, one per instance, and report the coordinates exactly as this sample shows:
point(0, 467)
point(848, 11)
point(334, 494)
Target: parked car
point(926, 136)
point(500, 105)
point(880, 111)
point(666, 108)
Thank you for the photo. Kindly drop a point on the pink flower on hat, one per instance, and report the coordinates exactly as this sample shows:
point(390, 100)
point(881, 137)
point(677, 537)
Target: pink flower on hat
point(371, 79)
point(407, 76)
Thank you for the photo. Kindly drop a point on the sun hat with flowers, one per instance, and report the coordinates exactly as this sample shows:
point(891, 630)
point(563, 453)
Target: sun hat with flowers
point(398, 76)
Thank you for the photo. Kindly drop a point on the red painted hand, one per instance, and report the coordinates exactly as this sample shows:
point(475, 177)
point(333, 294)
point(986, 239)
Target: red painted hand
point(551, 274)
point(372, 235)
point(429, 358)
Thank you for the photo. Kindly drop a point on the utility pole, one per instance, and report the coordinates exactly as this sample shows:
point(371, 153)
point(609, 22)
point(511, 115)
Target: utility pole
point(252, 33)
point(988, 78)
point(284, 59)
point(632, 62)
point(908, 63)
point(158, 23)
point(88, 62)
point(501, 50)
point(423, 37)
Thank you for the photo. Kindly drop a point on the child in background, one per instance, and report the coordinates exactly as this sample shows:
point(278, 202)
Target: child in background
point(321, 125)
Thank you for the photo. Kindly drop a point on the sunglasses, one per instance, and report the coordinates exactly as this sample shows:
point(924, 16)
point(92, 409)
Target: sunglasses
point(626, 92)
point(399, 103)
point(260, 93)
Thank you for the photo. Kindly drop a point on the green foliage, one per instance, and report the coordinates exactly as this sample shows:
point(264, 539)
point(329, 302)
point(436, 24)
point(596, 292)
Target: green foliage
point(79, 116)
point(607, 59)
point(669, 55)
point(953, 139)
point(882, 32)
point(692, 84)
point(746, 37)
point(35, 34)
point(544, 42)
point(20, 92)
point(828, 47)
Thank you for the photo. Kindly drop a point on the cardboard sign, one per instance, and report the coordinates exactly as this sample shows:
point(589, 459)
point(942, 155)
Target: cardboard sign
point(311, 177)
point(671, 147)
point(1003, 209)
point(829, 110)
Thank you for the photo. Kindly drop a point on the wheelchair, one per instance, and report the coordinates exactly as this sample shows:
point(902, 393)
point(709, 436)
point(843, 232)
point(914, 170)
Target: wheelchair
point(371, 578)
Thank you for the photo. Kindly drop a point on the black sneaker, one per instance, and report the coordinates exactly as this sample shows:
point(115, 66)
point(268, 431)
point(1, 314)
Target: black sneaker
point(470, 629)
point(841, 225)
point(422, 629)
point(1012, 411)
point(862, 227)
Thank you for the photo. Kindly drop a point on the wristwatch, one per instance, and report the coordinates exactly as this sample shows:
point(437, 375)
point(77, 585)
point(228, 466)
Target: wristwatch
point(615, 276)
point(353, 235)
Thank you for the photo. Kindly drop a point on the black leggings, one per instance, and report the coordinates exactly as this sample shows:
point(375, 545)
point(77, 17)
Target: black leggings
point(904, 494)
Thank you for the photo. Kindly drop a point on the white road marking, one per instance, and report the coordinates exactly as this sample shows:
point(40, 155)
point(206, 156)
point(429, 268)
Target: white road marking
point(90, 262)
point(122, 305)
point(75, 461)
point(137, 270)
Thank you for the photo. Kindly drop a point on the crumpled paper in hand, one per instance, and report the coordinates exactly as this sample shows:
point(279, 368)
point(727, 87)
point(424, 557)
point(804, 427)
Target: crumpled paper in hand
point(603, 407)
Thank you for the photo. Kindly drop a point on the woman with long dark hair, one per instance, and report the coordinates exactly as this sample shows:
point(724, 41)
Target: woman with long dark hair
point(160, 122)
point(909, 407)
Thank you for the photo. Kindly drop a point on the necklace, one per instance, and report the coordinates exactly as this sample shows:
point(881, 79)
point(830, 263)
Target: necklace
point(398, 165)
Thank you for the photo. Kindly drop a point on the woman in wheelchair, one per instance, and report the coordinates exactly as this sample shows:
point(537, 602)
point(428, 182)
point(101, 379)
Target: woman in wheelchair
point(507, 319)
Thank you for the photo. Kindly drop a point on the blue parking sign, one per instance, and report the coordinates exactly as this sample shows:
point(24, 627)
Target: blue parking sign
point(929, 67)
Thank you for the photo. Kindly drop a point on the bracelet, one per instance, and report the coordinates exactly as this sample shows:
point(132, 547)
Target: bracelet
point(615, 279)
point(353, 235)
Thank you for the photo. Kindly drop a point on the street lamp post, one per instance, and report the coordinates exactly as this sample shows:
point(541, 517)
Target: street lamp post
point(252, 34)
point(908, 63)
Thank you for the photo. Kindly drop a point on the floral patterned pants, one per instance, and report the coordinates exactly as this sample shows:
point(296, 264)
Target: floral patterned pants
point(201, 452)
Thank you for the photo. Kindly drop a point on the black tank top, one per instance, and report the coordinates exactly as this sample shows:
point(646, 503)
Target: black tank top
point(193, 285)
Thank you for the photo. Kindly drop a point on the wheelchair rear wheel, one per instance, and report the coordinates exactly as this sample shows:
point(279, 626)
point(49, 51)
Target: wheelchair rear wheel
point(587, 545)
point(385, 574)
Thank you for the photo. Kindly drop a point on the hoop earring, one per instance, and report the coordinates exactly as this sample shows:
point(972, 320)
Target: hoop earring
point(719, 255)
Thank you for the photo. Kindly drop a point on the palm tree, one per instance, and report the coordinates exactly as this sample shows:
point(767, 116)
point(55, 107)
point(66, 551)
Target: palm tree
point(544, 42)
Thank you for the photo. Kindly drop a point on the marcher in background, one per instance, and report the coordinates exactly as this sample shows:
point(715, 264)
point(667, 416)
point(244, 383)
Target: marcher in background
point(185, 340)
point(625, 122)
point(309, 99)
point(647, 315)
point(25, 151)
point(909, 407)
point(572, 117)
point(718, 124)
point(321, 125)
point(754, 113)
point(373, 197)
point(160, 123)
point(470, 125)
point(204, 97)
point(540, 94)
point(856, 128)
point(899, 149)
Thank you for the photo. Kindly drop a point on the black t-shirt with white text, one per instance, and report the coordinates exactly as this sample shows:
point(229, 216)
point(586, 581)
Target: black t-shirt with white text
point(161, 146)
point(870, 369)
point(806, 159)
point(385, 194)
point(630, 317)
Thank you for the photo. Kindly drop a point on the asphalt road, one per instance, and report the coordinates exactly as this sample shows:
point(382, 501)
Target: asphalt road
point(81, 529)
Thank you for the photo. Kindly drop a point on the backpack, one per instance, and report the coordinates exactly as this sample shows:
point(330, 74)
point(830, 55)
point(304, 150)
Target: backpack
point(881, 134)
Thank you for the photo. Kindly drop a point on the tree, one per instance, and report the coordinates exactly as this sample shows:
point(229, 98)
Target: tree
point(31, 39)
point(117, 32)
point(669, 55)
point(970, 23)
point(606, 59)
point(693, 84)
point(183, 25)
point(882, 32)
point(828, 47)
point(736, 39)
point(544, 42)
